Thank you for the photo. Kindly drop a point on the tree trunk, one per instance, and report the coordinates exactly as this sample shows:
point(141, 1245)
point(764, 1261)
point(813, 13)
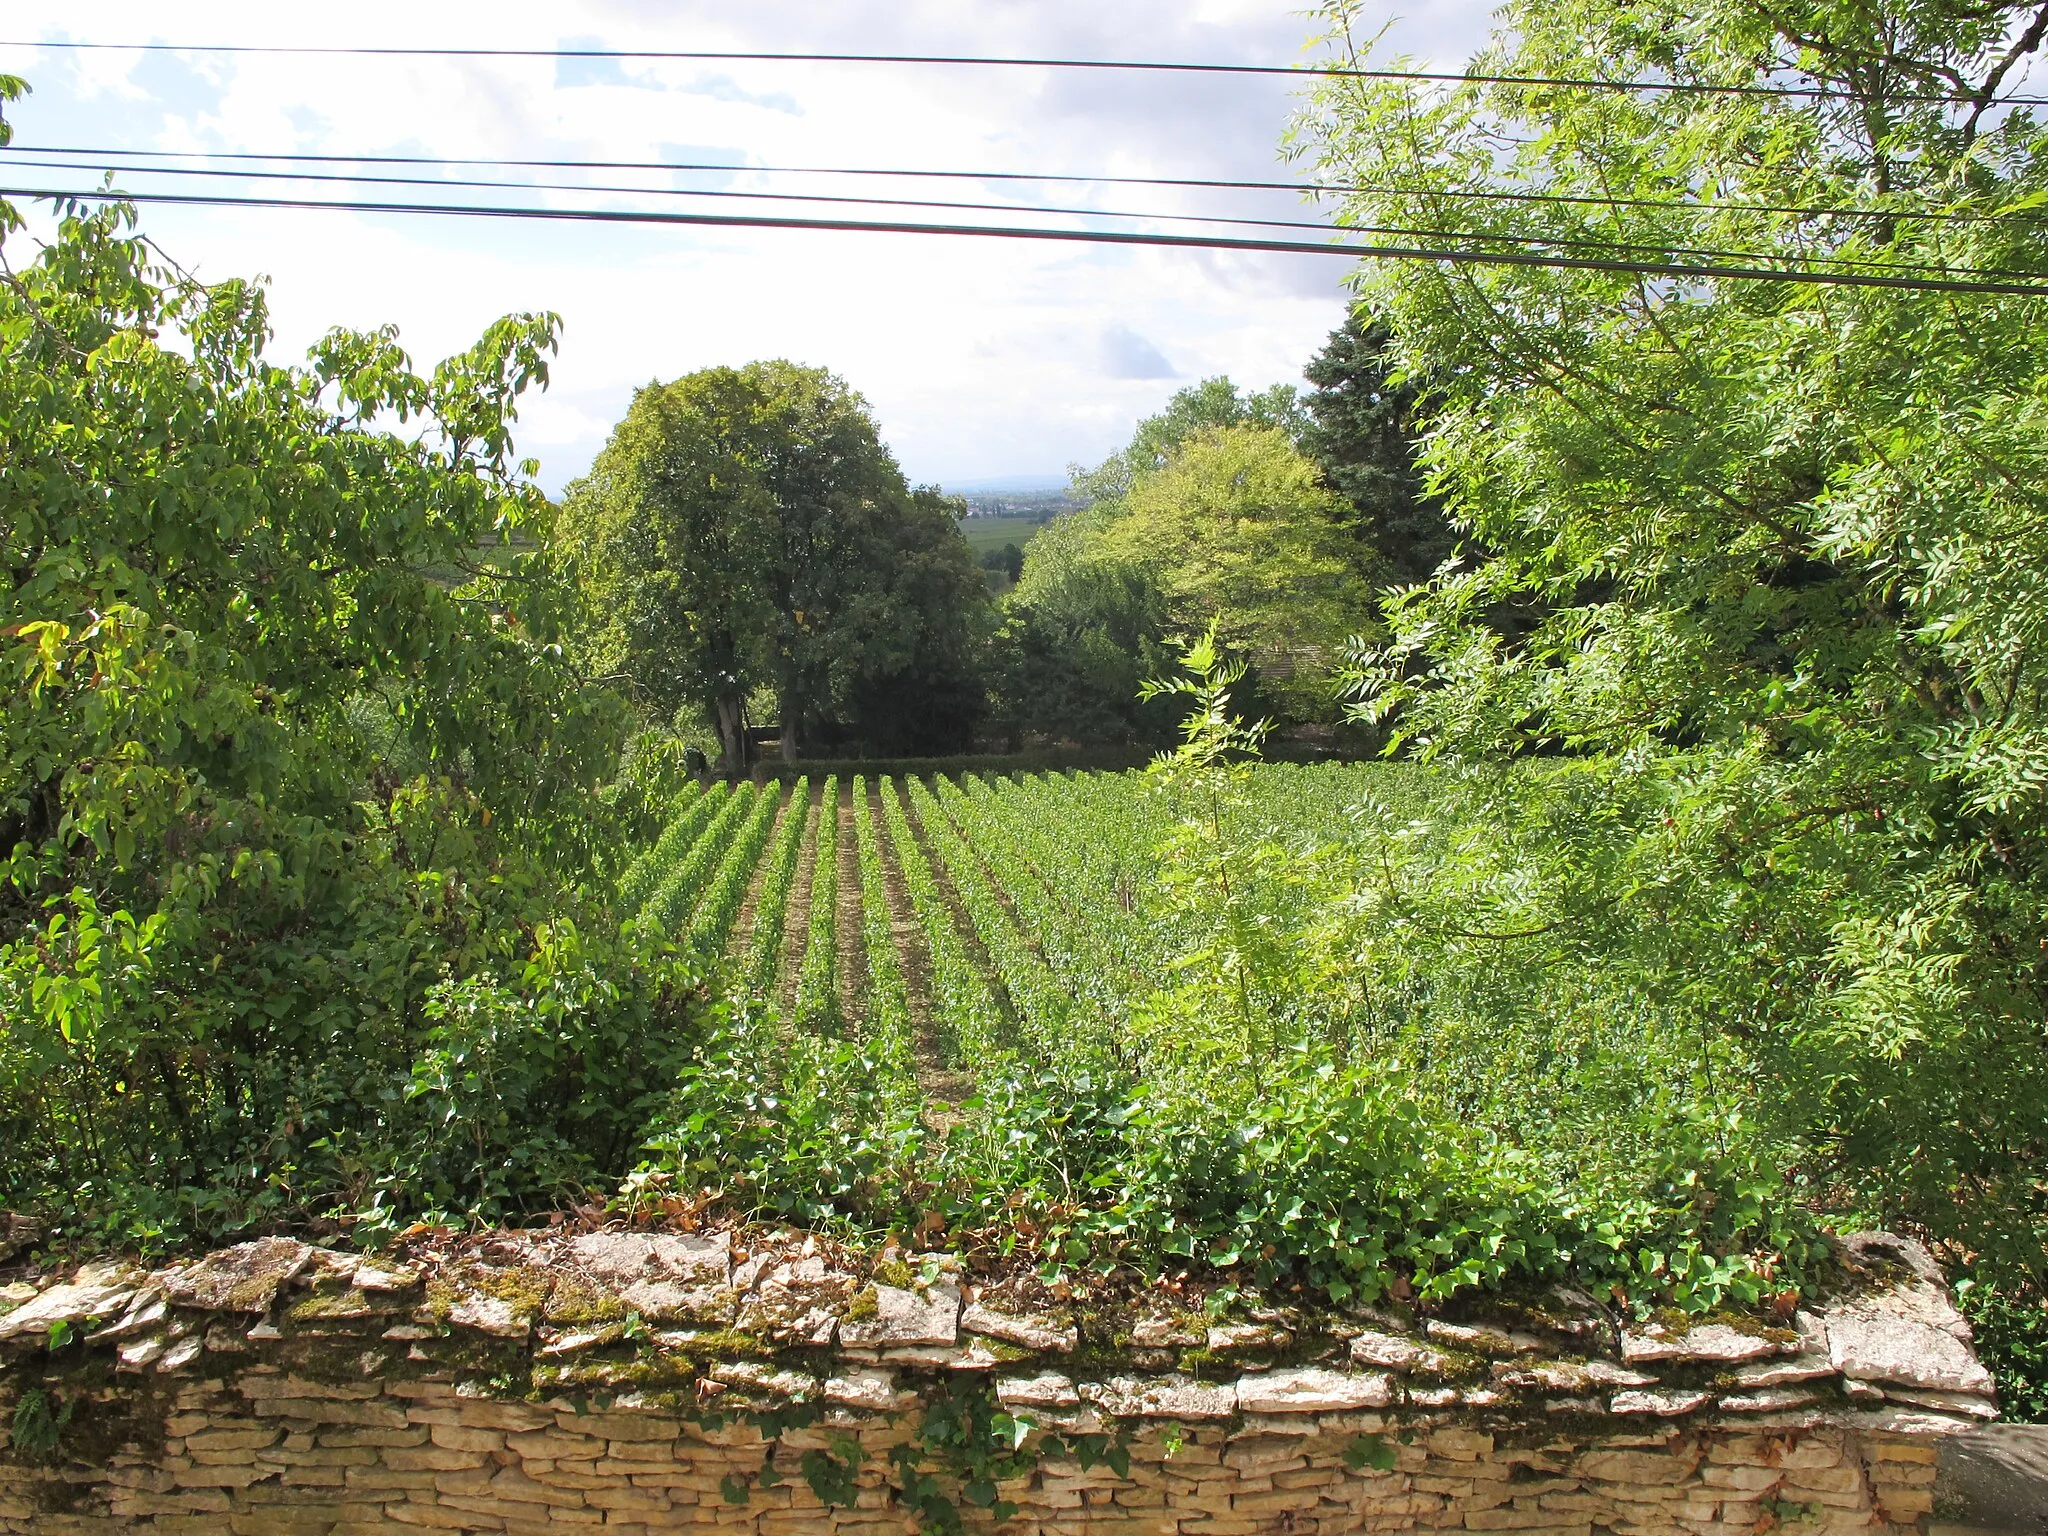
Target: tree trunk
point(732, 734)
point(792, 736)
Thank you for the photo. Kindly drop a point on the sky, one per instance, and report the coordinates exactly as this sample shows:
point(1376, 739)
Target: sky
point(982, 359)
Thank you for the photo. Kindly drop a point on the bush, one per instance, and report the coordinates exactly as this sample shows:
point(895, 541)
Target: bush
point(306, 820)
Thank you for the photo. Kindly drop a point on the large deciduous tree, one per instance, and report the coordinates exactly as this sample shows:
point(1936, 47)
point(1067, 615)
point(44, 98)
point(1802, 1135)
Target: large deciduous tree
point(1210, 514)
point(1236, 533)
point(746, 528)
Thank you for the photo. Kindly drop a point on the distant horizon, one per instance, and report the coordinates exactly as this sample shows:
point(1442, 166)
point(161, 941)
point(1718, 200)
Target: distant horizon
point(996, 485)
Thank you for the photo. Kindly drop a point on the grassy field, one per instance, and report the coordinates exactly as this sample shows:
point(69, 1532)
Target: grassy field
point(987, 533)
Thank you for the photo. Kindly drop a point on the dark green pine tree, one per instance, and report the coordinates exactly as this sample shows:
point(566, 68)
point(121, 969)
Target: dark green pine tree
point(1361, 434)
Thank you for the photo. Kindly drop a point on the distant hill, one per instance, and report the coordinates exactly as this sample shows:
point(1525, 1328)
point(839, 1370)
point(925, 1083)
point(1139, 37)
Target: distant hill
point(1005, 484)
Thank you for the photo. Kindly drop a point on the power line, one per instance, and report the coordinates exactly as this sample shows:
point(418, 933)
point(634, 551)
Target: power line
point(1495, 236)
point(1208, 183)
point(2037, 289)
point(1150, 66)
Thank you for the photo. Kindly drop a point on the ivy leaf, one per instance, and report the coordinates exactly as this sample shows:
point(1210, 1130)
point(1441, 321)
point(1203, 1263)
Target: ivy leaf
point(1369, 1451)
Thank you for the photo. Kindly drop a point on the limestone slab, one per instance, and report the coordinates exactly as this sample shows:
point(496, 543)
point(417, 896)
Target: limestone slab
point(244, 1278)
point(72, 1305)
point(1024, 1330)
point(875, 1391)
point(1127, 1397)
point(795, 1299)
point(1483, 1338)
point(906, 1317)
point(1660, 1404)
point(1312, 1390)
point(1712, 1342)
point(1908, 1335)
point(1392, 1352)
point(1049, 1389)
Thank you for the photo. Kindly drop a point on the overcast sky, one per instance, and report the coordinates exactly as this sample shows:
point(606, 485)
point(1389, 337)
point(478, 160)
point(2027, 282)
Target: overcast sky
point(981, 358)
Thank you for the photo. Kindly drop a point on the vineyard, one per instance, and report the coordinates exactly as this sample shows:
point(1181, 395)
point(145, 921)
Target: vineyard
point(955, 926)
point(1111, 1018)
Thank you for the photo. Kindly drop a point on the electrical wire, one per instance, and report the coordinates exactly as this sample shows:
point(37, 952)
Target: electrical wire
point(1084, 236)
point(1495, 236)
point(1313, 189)
point(1158, 66)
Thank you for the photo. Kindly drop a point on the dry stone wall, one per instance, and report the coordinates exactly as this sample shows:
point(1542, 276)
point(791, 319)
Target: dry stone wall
point(647, 1382)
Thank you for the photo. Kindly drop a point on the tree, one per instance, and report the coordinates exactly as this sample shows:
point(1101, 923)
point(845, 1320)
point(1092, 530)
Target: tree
point(905, 678)
point(1240, 538)
point(1212, 403)
point(1788, 540)
point(672, 534)
point(1361, 432)
point(747, 528)
point(292, 758)
point(1080, 635)
point(1006, 564)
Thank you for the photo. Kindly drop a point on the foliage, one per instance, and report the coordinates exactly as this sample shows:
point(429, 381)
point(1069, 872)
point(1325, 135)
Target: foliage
point(747, 528)
point(38, 1427)
point(771, 908)
point(1211, 404)
point(1077, 638)
point(1175, 1061)
point(2012, 1337)
point(1787, 543)
point(974, 1440)
point(817, 982)
point(1225, 524)
point(1237, 536)
point(1361, 432)
point(297, 818)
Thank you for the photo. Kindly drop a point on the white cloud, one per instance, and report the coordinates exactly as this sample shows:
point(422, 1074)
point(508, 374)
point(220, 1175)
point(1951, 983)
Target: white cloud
point(981, 357)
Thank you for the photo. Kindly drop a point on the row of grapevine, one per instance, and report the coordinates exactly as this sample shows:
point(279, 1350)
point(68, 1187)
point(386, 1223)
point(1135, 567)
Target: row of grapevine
point(771, 908)
point(1037, 997)
point(817, 981)
point(885, 1008)
point(1060, 850)
point(693, 809)
point(965, 1002)
point(712, 922)
point(676, 896)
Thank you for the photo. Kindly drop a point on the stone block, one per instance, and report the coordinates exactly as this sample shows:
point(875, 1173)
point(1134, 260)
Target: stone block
point(1637, 1467)
point(455, 1437)
point(1903, 1504)
point(1458, 1444)
point(387, 1479)
point(426, 1458)
point(481, 1413)
point(555, 1445)
point(1836, 1479)
point(336, 1439)
point(1813, 1451)
point(618, 1426)
point(1749, 1479)
point(513, 1485)
point(444, 1517)
point(1516, 1520)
